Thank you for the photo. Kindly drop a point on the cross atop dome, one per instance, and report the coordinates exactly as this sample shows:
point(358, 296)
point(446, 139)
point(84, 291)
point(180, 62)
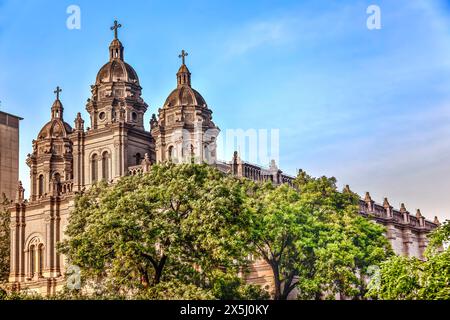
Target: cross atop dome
point(116, 27)
point(183, 55)
point(57, 92)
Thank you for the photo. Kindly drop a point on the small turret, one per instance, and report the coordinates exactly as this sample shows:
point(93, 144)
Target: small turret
point(405, 213)
point(418, 214)
point(20, 193)
point(420, 218)
point(79, 122)
point(369, 202)
point(436, 221)
point(387, 206)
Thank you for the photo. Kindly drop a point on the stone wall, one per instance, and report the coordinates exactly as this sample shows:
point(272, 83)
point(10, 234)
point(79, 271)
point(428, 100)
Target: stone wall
point(9, 154)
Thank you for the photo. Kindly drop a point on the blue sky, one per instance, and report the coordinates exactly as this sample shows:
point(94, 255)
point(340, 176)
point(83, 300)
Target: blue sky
point(371, 108)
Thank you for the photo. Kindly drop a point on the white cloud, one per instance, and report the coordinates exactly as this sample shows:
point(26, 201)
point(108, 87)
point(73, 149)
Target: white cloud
point(259, 34)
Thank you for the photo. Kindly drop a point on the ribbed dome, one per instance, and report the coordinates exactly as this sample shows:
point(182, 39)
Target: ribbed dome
point(55, 128)
point(184, 95)
point(117, 70)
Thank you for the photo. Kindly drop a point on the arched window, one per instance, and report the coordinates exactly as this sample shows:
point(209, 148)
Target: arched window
point(105, 166)
point(41, 185)
point(94, 168)
point(138, 159)
point(170, 154)
point(36, 253)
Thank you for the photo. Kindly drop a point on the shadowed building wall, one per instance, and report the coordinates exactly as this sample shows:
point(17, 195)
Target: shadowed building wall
point(9, 154)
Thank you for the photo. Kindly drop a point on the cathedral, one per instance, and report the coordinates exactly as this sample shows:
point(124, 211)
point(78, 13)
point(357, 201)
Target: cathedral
point(66, 160)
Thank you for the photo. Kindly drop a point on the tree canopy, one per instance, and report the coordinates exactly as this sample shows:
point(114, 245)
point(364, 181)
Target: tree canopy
point(4, 238)
point(314, 239)
point(184, 223)
point(403, 278)
point(188, 231)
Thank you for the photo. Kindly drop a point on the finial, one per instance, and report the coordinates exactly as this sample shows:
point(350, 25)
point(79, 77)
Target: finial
point(153, 121)
point(57, 92)
point(402, 208)
point(367, 198)
point(436, 221)
point(386, 203)
point(183, 55)
point(418, 214)
point(115, 28)
point(273, 165)
point(79, 122)
point(20, 195)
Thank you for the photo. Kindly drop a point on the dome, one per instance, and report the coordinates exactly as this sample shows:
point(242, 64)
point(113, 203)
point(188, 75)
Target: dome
point(55, 128)
point(117, 70)
point(185, 95)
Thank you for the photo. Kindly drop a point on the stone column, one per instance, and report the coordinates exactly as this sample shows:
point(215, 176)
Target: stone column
point(48, 244)
point(423, 244)
point(21, 247)
point(33, 183)
point(116, 159)
point(14, 250)
point(407, 242)
point(57, 231)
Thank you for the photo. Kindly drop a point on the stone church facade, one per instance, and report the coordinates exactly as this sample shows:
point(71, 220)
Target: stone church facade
point(66, 160)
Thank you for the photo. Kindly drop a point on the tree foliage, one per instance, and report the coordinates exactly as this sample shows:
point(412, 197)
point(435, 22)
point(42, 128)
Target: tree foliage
point(314, 239)
point(4, 238)
point(178, 224)
point(403, 278)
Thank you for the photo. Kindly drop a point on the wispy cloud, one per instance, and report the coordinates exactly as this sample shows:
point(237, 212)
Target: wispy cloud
point(259, 34)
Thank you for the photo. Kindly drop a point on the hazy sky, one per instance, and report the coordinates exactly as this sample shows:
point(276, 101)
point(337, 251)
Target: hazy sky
point(371, 108)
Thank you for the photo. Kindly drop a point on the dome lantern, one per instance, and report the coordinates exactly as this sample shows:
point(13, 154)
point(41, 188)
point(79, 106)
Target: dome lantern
point(116, 47)
point(183, 74)
point(57, 108)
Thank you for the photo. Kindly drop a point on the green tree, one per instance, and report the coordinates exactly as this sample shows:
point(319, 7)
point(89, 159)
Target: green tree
point(403, 278)
point(4, 238)
point(314, 239)
point(176, 224)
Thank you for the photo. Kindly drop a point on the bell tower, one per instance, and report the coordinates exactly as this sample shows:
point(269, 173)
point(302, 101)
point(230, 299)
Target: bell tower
point(51, 159)
point(184, 130)
point(116, 94)
point(116, 139)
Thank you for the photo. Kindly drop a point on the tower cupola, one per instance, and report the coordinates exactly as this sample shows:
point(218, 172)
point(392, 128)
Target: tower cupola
point(116, 47)
point(183, 74)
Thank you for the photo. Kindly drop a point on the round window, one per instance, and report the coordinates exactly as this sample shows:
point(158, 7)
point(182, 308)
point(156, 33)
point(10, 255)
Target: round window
point(102, 116)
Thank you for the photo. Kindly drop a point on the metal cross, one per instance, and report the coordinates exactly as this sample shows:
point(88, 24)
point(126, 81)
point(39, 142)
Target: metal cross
point(183, 55)
point(115, 28)
point(57, 91)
